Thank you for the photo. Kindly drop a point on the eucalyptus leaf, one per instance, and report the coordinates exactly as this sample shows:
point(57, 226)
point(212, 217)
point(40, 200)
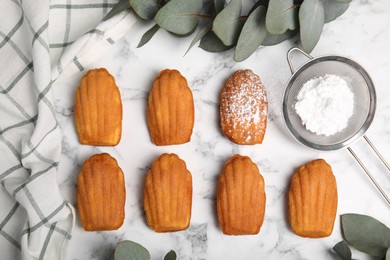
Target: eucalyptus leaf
point(273, 39)
point(333, 9)
point(281, 16)
point(211, 43)
point(252, 35)
point(343, 251)
point(366, 234)
point(179, 16)
point(202, 32)
point(170, 256)
point(146, 9)
point(263, 2)
point(119, 7)
point(148, 35)
point(129, 250)
point(311, 20)
point(182, 35)
point(227, 25)
point(218, 5)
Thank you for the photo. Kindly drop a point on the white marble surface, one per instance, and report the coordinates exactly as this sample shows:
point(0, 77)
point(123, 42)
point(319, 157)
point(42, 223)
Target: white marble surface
point(362, 33)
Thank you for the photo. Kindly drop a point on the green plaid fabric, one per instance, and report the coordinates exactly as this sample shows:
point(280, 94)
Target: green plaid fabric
point(41, 43)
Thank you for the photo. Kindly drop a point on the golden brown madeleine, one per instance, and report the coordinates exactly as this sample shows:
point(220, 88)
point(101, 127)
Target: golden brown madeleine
point(313, 200)
point(170, 109)
point(168, 194)
point(98, 109)
point(101, 194)
point(240, 197)
point(244, 108)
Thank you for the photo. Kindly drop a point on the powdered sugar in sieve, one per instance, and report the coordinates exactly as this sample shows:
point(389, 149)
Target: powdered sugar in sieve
point(325, 104)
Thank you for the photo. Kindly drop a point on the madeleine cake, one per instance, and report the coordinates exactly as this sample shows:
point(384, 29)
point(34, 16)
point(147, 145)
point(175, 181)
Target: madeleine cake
point(168, 194)
point(313, 200)
point(244, 108)
point(98, 109)
point(240, 197)
point(170, 109)
point(101, 194)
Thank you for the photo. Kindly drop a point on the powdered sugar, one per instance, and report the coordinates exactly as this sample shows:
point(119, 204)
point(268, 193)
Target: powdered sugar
point(325, 104)
point(244, 106)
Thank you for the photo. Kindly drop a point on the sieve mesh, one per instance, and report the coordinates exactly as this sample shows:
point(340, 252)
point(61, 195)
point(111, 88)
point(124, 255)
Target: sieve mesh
point(364, 101)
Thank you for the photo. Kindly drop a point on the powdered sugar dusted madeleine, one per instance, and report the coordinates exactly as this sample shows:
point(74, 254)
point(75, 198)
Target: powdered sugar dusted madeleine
point(170, 109)
point(98, 109)
point(243, 108)
point(168, 194)
point(101, 193)
point(240, 197)
point(313, 200)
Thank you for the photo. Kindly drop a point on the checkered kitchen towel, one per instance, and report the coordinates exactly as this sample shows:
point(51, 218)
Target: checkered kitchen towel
point(40, 42)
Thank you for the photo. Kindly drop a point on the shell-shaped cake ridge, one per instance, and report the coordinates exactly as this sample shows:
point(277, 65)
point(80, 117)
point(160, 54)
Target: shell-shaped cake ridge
point(170, 109)
point(313, 200)
point(168, 194)
point(98, 109)
point(241, 197)
point(244, 108)
point(101, 194)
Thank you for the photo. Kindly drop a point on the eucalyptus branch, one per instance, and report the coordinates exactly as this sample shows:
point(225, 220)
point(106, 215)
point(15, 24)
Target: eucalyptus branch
point(268, 22)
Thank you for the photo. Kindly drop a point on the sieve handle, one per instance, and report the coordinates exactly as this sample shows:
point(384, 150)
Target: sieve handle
point(377, 152)
point(289, 57)
point(368, 172)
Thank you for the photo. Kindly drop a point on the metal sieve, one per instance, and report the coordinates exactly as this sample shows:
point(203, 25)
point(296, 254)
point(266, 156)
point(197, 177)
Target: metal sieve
point(361, 86)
